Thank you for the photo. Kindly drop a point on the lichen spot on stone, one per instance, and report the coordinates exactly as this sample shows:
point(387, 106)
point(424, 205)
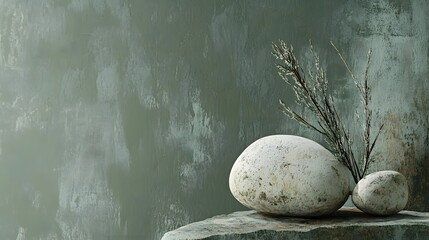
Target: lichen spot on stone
point(263, 196)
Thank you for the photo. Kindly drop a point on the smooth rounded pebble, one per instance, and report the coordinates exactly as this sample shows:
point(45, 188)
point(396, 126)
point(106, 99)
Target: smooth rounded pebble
point(289, 175)
point(381, 193)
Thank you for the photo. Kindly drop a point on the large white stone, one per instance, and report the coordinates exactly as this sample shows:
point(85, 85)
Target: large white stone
point(289, 175)
point(381, 193)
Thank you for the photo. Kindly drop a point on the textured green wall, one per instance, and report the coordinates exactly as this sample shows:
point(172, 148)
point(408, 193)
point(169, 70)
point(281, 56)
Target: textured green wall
point(121, 119)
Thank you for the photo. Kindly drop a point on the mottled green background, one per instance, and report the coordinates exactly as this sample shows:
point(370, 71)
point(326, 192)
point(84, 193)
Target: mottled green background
point(121, 119)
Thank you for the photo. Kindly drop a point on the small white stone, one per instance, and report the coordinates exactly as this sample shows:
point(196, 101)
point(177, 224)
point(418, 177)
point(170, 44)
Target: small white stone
point(381, 193)
point(289, 175)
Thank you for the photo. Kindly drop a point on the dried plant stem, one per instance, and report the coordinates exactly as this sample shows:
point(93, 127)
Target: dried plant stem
point(365, 92)
point(314, 96)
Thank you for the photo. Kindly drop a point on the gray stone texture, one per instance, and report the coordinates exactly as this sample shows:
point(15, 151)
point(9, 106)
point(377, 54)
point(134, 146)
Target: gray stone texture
point(347, 223)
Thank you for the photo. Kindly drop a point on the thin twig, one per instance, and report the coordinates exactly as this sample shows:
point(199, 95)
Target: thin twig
point(347, 66)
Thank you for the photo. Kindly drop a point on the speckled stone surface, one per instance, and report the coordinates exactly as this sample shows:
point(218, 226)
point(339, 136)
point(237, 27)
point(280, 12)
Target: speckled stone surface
point(347, 223)
point(289, 175)
point(381, 193)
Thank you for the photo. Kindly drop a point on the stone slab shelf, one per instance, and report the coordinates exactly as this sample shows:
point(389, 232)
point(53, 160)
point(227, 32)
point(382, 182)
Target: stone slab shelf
point(346, 223)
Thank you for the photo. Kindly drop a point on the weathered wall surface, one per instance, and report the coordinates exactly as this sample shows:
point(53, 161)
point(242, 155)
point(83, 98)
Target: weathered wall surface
point(121, 119)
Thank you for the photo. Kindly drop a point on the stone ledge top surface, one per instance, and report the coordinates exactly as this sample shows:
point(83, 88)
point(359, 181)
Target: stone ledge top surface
point(346, 221)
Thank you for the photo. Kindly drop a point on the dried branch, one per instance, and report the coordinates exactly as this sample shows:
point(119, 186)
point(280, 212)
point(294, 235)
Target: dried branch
point(314, 96)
